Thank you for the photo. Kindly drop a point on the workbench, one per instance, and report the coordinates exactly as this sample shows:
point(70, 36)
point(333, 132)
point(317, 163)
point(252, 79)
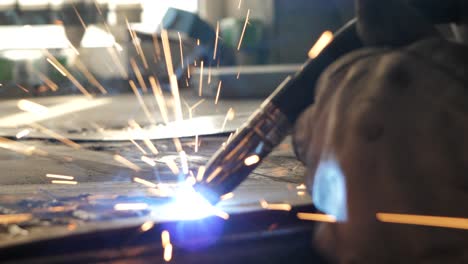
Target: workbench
point(68, 219)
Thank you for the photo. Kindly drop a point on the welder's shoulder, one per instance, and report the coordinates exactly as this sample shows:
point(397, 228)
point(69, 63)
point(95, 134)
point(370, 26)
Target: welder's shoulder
point(351, 64)
point(359, 61)
point(393, 67)
point(431, 51)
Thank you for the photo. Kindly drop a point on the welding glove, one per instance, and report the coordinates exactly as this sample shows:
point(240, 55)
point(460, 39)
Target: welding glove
point(388, 134)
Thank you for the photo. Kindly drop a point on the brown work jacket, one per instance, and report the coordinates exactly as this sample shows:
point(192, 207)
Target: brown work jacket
point(389, 134)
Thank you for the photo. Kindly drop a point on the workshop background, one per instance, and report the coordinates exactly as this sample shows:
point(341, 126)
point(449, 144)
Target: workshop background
point(110, 108)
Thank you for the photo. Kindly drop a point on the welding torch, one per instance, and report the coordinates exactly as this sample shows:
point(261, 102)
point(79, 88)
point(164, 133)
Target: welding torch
point(272, 122)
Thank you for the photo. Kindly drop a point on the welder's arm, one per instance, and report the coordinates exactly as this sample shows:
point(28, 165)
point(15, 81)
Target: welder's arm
point(393, 23)
point(385, 134)
point(377, 28)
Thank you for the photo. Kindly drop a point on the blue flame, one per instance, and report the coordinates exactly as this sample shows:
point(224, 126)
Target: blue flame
point(190, 205)
point(197, 226)
point(329, 189)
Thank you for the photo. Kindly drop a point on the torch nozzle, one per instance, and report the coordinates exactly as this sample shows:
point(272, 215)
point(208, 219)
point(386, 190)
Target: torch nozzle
point(237, 159)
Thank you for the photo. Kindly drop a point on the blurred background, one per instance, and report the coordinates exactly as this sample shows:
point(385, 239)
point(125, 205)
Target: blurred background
point(104, 43)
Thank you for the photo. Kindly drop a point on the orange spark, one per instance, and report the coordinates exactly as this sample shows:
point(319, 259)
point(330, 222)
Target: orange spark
point(71, 226)
point(321, 43)
point(52, 60)
point(229, 138)
point(301, 187)
point(316, 217)
point(55, 135)
point(90, 76)
point(57, 176)
point(130, 206)
point(177, 144)
point(243, 29)
point(172, 166)
point(214, 174)
point(275, 206)
point(8, 219)
point(79, 17)
point(197, 104)
point(221, 214)
point(145, 182)
point(165, 238)
point(216, 40)
point(167, 52)
point(424, 220)
point(181, 51)
point(148, 161)
point(64, 182)
point(209, 74)
point(138, 75)
point(23, 133)
point(227, 196)
point(168, 253)
point(135, 126)
point(200, 88)
point(56, 209)
point(22, 88)
point(146, 226)
point(201, 173)
point(218, 92)
point(229, 116)
point(15, 146)
point(158, 95)
point(138, 146)
point(56, 67)
point(127, 163)
point(157, 48)
point(176, 97)
point(73, 48)
point(53, 86)
point(141, 101)
point(31, 107)
point(96, 4)
point(188, 108)
point(172, 77)
point(136, 43)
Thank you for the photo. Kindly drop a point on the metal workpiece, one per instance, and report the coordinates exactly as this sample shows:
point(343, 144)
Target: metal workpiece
point(240, 156)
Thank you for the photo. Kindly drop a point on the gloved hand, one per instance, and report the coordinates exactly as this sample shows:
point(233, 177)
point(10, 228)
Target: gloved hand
point(387, 133)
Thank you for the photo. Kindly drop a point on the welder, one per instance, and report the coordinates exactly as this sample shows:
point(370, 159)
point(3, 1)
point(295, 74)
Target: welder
point(387, 133)
point(384, 133)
